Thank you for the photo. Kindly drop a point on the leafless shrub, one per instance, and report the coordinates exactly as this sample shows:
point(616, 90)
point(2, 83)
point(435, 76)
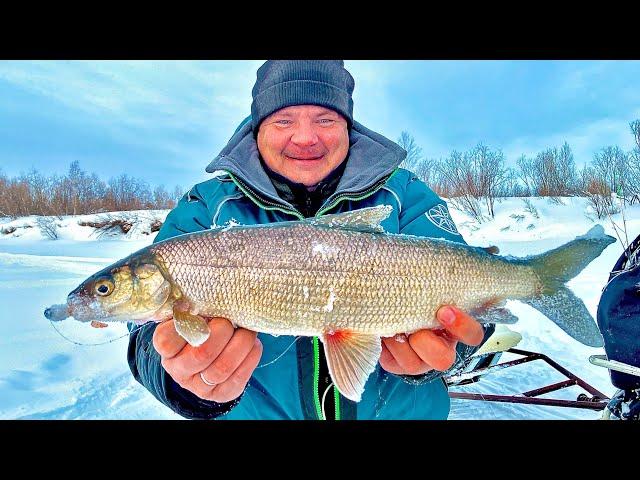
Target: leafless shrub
point(530, 208)
point(555, 200)
point(607, 174)
point(600, 198)
point(111, 224)
point(551, 174)
point(473, 178)
point(156, 225)
point(8, 230)
point(77, 193)
point(511, 185)
point(634, 163)
point(426, 169)
point(48, 227)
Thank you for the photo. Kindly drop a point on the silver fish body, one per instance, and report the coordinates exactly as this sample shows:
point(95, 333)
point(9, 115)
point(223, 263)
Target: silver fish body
point(305, 279)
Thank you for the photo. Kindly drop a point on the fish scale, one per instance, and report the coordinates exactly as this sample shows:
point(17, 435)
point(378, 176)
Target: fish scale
point(331, 278)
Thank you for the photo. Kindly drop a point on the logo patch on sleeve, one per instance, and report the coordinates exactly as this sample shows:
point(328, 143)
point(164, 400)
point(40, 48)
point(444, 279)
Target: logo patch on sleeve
point(441, 218)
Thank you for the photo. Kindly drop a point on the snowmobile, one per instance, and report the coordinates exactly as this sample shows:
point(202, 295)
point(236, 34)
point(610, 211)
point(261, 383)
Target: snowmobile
point(618, 318)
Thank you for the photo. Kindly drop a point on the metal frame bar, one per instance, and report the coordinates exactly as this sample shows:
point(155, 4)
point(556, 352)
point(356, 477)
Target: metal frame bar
point(598, 400)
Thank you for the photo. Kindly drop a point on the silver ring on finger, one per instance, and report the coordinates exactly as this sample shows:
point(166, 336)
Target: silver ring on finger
point(207, 382)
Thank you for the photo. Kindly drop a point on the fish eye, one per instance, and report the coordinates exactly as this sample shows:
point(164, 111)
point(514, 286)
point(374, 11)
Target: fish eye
point(104, 287)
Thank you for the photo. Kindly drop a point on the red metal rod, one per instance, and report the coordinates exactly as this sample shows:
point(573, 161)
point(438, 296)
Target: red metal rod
point(565, 372)
point(550, 388)
point(530, 401)
point(494, 368)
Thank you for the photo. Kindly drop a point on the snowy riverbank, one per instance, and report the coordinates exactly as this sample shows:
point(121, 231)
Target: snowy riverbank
point(44, 376)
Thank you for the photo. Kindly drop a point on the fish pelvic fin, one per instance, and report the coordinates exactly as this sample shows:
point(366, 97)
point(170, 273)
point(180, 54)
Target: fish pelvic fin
point(193, 328)
point(556, 267)
point(351, 358)
point(495, 315)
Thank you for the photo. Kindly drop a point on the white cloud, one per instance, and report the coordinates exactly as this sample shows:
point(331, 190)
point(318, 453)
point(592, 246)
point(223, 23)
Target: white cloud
point(184, 96)
point(584, 140)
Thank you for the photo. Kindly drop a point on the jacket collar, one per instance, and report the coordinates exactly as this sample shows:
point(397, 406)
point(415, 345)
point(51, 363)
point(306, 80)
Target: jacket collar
point(371, 158)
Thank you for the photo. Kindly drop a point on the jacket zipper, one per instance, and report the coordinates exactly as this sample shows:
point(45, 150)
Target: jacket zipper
point(261, 202)
point(356, 196)
point(316, 379)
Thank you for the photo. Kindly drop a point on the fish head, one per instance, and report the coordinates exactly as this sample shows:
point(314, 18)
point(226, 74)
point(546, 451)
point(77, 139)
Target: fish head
point(132, 290)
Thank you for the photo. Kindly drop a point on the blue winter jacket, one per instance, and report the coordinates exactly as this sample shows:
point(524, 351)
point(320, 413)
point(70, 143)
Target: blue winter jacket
point(241, 193)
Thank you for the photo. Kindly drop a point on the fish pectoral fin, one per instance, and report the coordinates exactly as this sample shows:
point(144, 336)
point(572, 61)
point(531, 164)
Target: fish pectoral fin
point(351, 358)
point(193, 328)
point(495, 315)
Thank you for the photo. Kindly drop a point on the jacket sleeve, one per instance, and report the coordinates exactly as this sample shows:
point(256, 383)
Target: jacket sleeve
point(425, 214)
point(190, 215)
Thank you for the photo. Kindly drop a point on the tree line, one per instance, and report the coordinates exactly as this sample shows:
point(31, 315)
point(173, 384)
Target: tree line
point(472, 180)
point(475, 178)
point(78, 192)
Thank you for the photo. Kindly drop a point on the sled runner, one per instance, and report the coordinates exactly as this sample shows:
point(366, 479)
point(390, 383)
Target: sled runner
point(592, 400)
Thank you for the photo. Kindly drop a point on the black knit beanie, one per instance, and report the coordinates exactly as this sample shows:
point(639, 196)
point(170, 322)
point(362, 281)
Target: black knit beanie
point(283, 83)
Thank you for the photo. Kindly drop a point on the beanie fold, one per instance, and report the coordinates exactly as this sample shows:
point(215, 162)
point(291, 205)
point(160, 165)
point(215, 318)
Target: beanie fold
point(285, 83)
point(300, 92)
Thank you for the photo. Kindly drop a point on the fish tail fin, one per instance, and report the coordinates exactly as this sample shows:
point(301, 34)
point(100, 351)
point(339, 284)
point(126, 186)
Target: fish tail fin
point(556, 301)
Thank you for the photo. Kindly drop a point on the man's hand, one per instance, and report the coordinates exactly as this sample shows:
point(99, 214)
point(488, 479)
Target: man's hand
point(227, 359)
point(426, 350)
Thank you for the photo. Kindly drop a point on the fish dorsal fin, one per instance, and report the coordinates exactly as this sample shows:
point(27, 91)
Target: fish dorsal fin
point(364, 220)
point(351, 358)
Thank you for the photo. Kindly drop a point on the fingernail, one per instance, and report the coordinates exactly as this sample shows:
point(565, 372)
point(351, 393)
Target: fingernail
point(400, 338)
point(447, 315)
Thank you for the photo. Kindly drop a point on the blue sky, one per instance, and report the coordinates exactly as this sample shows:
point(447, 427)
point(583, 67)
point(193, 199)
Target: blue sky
point(165, 120)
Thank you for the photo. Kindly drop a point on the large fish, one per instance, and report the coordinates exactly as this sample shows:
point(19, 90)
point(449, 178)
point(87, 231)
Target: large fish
point(338, 277)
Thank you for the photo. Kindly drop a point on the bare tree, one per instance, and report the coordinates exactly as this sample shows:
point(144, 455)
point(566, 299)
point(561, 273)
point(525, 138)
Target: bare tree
point(178, 192)
point(634, 164)
point(426, 169)
point(161, 198)
point(77, 192)
point(48, 227)
point(527, 174)
point(414, 152)
point(511, 186)
point(552, 173)
point(473, 178)
point(635, 129)
point(610, 165)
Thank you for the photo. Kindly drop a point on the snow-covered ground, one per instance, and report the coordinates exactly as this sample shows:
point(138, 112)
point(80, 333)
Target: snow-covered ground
point(44, 376)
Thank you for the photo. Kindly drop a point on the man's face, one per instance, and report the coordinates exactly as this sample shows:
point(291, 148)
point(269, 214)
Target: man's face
point(303, 143)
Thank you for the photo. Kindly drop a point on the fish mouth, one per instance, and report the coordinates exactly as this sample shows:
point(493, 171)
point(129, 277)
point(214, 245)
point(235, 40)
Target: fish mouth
point(57, 313)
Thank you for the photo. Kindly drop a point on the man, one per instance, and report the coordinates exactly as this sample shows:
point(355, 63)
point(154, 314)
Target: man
point(301, 154)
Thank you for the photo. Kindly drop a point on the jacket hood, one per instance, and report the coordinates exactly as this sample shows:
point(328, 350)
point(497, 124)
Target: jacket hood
point(371, 157)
